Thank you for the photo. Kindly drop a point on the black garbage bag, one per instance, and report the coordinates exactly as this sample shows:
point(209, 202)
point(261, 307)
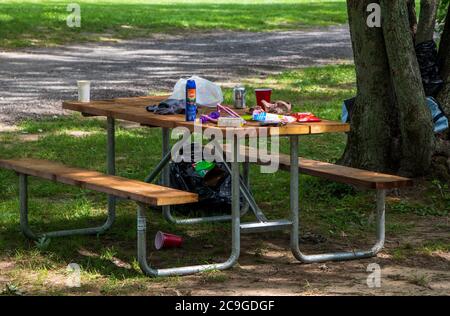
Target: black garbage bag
point(427, 56)
point(214, 188)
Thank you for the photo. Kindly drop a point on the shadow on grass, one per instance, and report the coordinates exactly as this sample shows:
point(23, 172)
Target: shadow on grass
point(113, 253)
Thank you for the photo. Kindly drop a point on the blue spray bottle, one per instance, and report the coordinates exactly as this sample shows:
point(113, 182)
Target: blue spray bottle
point(191, 105)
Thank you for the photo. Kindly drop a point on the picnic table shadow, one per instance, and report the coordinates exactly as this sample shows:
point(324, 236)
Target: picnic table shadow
point(115, 251)
point(113, 254)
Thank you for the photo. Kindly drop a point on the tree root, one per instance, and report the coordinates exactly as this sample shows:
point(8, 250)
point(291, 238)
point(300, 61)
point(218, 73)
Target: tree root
point(442, 147)
point(440, 166)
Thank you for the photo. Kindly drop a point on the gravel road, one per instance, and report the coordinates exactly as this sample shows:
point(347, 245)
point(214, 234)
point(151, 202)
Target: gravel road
point(34, 81)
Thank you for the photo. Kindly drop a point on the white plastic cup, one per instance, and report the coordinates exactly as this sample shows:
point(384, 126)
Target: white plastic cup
point(84, 90)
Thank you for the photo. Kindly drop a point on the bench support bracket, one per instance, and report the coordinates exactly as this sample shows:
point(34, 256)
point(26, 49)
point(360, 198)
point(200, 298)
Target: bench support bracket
point(26, 230)
point(337, 256)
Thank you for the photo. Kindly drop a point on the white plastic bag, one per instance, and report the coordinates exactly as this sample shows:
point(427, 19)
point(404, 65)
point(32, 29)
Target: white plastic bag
point(208, 93)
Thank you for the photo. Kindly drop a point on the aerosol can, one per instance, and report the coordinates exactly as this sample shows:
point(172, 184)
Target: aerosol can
point(191, 105)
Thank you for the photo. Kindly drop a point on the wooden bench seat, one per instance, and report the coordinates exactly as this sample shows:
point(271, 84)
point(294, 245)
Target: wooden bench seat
point(338, 173)
point(138, 191)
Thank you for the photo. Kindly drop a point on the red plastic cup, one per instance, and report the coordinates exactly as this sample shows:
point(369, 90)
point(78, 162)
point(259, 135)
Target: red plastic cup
point(164, 240)
point(263, 94)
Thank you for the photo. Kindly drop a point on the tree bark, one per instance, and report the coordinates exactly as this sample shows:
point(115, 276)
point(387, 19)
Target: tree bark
point(444, 99)
point(369, 142)
point(444, 48)
point(427, 20)
point(444, 65)
point(412, 17)
point(391, 125)
point(414, 116)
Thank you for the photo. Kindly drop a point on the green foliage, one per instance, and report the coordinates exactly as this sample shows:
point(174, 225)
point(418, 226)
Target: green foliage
point(442, 13)
point(11, 290)
point(42, 243)
point(214, 276)
point(420, 280)
point(419, 209)
point(426, 248)
point(435, 246)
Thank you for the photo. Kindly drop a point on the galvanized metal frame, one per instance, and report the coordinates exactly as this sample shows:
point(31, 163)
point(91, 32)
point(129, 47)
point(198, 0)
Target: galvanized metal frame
point(238, 187)
point(264, 225)
point(235, 235)
point(23, 198)
point(24, 222)
point(294, 205)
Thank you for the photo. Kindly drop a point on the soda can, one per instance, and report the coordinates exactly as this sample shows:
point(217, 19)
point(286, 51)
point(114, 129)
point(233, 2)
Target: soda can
point(239, 97)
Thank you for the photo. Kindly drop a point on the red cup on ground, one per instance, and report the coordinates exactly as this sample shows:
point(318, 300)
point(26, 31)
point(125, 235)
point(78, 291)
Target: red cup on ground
point(262, 94)
point(165, 240)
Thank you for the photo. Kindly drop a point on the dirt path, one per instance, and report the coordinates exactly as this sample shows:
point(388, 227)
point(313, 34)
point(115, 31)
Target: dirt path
point(34, 81)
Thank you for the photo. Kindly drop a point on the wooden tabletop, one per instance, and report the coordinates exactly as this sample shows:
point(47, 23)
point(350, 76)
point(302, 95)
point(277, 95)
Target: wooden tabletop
point(133, 109)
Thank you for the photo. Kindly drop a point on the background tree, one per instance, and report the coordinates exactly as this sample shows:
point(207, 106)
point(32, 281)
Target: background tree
point(427, 22)
point(391, 124)
point(444, 60)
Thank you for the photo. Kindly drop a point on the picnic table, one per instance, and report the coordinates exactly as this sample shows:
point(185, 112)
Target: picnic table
point(133, 109)
point(147, 194)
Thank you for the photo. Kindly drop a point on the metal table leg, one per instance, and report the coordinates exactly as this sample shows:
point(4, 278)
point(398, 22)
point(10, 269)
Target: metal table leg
point(246, 176)
point(337, 256)
point(235, 233)
point(111, 160)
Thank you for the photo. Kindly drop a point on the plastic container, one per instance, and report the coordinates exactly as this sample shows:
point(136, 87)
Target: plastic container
point(263, 94)
point(84, 90)
point(272, 118)
point(165, 240)
point(202, 167)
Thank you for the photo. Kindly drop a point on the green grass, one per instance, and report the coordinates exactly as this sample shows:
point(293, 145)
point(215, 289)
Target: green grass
point(328, 209)
point(29, 23)
point(425, 248)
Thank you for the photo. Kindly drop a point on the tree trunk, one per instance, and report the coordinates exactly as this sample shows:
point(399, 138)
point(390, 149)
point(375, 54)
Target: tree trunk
point(444, 97)
point(368, 145)
point(414, 116)
point(444, 65)
point(427, 20)
point(444, 49)
point(391, 126)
